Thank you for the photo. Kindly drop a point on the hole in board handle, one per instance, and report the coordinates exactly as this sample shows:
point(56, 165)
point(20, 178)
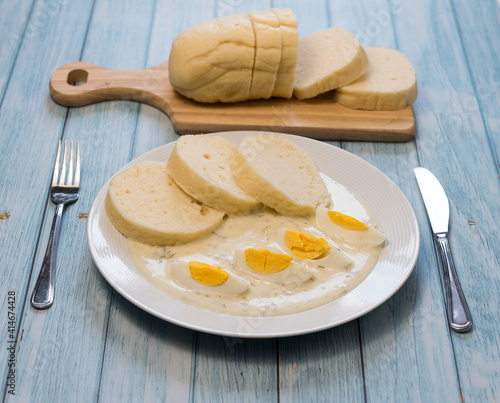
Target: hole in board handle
point(77, 77)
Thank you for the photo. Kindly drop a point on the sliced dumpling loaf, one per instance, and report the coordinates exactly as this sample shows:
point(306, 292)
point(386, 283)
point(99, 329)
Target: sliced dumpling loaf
point(267, 53)
point(278, 173)
point(389, 83)
point(145, 204)
point(199, 164)
point(289, 48)
point(213, 61)
point(328, 59)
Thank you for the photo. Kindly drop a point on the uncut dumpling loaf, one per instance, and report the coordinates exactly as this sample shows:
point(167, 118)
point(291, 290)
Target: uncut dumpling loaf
point(199, 164)
point(389, 83)
point(327, 59)
point(213, 61)
point(278, 173)
point(237, 57)
point(145, 204)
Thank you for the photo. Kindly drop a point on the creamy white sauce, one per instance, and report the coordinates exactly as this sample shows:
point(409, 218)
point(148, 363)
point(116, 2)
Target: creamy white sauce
point(258, 230)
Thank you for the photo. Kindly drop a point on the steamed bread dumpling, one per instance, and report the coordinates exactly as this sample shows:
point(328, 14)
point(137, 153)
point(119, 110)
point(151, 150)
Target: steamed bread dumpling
point(237, 57)
point(280, 174)
point(389, 83)
point(145, 204)
point(213, 61)
point(327, 59)
point(199, 164)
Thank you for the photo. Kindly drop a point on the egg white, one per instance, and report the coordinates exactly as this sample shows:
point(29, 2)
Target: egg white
point(232, 286)
point(295, 273)
point(370, 237)
point(335, 259)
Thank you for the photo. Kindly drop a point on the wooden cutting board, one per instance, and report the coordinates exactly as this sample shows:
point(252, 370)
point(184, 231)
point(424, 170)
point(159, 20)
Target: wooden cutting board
point(78, 84)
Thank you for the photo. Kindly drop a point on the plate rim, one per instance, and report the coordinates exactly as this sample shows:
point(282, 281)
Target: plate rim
point(99, 199)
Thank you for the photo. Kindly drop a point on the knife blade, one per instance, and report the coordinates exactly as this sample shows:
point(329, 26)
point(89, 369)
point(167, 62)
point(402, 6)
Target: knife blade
point(438, 211)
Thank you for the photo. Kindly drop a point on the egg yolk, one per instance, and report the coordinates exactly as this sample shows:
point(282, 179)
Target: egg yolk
point(264, 261)
point(347, 222)
point(207, 274)
point(306, 246)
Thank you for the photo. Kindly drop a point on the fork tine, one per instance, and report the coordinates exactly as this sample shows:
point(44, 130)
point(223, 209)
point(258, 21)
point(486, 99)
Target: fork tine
point(70, 169)
point(56, 166)
point(77, 170)
point(63, 168)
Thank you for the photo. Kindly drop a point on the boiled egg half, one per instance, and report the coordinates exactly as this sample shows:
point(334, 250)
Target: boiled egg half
point(205, 277)
point(312, 249)
point(272, 266)
point(347, 228)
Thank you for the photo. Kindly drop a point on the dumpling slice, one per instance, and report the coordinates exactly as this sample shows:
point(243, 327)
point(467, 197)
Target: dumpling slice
point(283, 86)
point(389, 83)
point(280, 174)
point(145, 204)
point(267, 53)
point(327, 59)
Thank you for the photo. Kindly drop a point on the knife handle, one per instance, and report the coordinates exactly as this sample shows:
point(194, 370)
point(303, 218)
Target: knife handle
point(459, 317)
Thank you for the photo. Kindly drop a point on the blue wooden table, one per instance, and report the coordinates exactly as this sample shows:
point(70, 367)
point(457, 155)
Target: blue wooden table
point(93, 345)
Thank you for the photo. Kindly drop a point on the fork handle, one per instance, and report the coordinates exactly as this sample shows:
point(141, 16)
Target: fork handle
point(43, 293)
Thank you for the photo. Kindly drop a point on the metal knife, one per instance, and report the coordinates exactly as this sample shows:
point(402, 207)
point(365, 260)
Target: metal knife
point(438, 210)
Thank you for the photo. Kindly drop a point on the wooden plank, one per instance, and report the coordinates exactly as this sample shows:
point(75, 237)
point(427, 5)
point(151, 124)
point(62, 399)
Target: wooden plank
point(68, 340)
point(14, 27)
point(408, 331)
point(233, 369)
point(450, 143)
point(154, 128)
point(474, 189)
point(157, 366)
point(145, 358)
point(310, 19)
point(411, 305)
point(31, 126)
point(324, 366)
point(477, 25)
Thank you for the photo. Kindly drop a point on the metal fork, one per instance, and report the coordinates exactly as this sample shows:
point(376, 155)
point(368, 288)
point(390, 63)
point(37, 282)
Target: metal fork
point(62, 191)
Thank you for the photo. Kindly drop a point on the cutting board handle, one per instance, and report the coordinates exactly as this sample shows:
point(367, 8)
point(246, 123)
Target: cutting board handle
point(79, 84)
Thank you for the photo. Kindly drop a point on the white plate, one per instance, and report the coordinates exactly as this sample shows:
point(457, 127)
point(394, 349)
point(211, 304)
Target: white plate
point(388, 204)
